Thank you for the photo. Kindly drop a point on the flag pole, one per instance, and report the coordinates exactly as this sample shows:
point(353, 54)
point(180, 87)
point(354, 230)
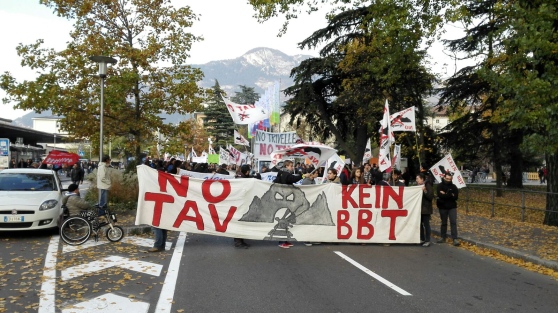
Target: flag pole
point(417, 146)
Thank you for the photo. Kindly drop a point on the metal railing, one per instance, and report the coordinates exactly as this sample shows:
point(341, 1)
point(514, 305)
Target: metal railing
point(518, 204)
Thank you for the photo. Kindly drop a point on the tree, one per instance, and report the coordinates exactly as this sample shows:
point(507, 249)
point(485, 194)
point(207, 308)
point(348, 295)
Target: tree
point(218, 122)
point(373, 53)
point(141, 34)
point(476, 98)
point(527, 75)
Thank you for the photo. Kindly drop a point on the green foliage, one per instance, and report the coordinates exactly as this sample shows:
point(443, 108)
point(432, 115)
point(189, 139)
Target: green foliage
point(141, 35)
point(123, 193)
point(218, 121)
point(373, 53)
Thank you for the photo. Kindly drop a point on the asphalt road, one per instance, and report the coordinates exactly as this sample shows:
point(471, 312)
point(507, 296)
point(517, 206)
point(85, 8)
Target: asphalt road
point(210, 275)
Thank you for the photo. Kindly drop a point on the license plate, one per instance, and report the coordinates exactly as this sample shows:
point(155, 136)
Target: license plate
point(16, 218)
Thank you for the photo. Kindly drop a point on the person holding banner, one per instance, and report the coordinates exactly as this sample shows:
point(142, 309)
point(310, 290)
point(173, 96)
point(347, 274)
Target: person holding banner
point(426, 209)
point(332, 177)
point(244, 173)
point(285, 176)
point(447, 195)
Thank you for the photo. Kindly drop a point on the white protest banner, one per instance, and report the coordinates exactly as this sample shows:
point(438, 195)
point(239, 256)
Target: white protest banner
point(447, 164)
point(252, 209)
point(204, 175)
point(403, 121)
point(201, 159)
point(265, 143)
point(268, 176)
point(236, 156)
point(224, 156)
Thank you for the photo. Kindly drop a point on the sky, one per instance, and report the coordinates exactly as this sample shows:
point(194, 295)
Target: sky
point(228, 27)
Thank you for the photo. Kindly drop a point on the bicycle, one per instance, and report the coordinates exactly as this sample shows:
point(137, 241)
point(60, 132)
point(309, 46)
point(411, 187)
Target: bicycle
point(77, 229)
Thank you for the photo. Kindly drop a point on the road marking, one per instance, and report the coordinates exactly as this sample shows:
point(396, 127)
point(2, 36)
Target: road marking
point(167, 293)
point(48, 287)
point(112, 261)
point(138, 241)
point(108, 303)
point(144, 242)
point(376, 276)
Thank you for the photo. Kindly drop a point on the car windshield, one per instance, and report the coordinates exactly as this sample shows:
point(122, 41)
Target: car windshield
point(27, 182)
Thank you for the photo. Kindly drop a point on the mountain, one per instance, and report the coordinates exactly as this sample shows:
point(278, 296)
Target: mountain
point(258, 68)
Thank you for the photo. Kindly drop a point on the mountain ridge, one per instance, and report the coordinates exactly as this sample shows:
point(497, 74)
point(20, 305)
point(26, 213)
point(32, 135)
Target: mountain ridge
point(259, 68)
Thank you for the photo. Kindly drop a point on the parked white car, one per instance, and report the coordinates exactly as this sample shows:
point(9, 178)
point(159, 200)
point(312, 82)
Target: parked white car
point(30, 199)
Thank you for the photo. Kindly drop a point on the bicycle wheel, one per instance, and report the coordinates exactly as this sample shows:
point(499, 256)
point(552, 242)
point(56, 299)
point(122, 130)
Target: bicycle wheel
point(75, 230)
point(114, 233)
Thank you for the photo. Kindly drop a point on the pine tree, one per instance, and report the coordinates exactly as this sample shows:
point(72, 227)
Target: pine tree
point(218, 122)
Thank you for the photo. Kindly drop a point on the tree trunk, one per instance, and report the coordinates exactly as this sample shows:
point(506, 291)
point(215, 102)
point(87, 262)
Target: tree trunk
point(516, 161)
point(496, 156)
point(551, 213)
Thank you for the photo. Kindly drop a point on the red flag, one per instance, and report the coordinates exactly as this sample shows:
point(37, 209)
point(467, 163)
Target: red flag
point(61, 157)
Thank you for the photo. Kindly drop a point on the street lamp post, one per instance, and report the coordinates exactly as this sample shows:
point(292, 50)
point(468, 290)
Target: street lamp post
point(102, 61)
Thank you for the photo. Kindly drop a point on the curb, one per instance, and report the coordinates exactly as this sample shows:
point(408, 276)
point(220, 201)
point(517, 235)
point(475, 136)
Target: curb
point(136, 229)
point(509, 252)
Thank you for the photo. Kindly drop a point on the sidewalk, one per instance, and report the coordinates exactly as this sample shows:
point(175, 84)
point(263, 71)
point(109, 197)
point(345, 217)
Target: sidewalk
point(533, 243)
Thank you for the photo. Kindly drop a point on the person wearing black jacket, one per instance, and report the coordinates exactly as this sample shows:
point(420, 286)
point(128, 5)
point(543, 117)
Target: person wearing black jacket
point(345, 176)
point(244, 173)
point(77, 174)
point(447, 195)
point(426, 209)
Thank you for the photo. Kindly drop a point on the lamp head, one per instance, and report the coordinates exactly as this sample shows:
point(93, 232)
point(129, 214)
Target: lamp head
point(103, 61)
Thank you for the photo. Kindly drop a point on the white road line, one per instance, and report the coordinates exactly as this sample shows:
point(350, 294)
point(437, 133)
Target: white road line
point(111, 261)
point(369, 272)
point(108, 303)
point(48, 287)
point(164, 304)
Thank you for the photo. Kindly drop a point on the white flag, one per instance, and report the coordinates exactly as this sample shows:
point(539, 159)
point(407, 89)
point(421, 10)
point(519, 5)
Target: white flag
point(386, 139)
point(447, 164)
point(194, 155)
point(204, 154)
point(211, 150)
point(403, 121)
point(245, 113)
point(397, 157)
point(239, 139)
point(335, 162)
point(367, 152)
